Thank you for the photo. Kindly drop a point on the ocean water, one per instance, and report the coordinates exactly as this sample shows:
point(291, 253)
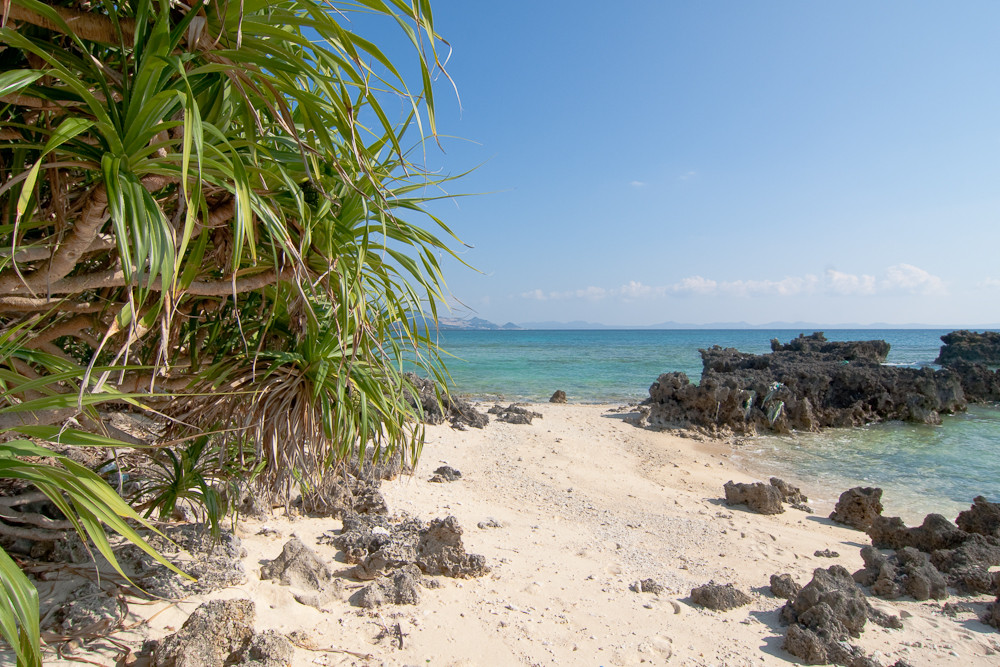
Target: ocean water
point(921, 468)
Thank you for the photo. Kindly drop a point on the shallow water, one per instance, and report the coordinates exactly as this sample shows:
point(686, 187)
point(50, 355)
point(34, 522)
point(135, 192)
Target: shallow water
point(921, 468)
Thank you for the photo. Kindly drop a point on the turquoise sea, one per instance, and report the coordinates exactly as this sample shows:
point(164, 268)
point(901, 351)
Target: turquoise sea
point(921, 468)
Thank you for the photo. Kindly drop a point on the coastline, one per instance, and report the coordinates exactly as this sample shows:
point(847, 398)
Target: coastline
point(586, 505)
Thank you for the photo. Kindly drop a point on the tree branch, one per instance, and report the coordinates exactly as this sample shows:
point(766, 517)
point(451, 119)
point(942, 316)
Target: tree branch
point(11, 420)
point(22, 499)
point(63, 260)
point(86, 25)
point(24, 304)
point(116, 278)
point(33, 254)
point(34, 519)
point(33, 534)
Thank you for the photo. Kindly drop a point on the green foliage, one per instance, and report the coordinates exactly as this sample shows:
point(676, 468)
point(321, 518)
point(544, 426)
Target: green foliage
point(210, 209)
point(193, 473)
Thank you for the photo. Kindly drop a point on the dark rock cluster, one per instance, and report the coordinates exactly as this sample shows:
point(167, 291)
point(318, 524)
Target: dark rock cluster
point(963, 558)
point(446, 474)
point(982, 518)
point(907, 572)
point(806, 385)
point(824, 616)
point(514, 414)
point(436, 408)
point(377, 545)
point(922, 562)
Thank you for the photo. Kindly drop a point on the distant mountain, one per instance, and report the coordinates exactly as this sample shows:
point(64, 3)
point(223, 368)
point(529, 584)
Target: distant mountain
point(472, 324)
point(800, 326)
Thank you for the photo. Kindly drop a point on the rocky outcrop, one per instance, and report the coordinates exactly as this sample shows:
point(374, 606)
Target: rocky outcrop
point(446, 474)
point(825, 615)
point(858, 507)
point(875, 350)
point(440, 551)
point(347, 492)
point(992, 616)
point(558, 397)
point(300, 568)
point(967, 566)
point(971, 355)
point(765, 498)
point(783, 586)
point(982, 518)
point(963, 558)
point(213, 562)
point(436, 408)
point(936, 532)
point(759, 497)
point(400, 587)
point(979, 383)
point(378, 546)
point(221, 632)
point(790, 494)
point(719, 597)
point(907, 572)
point(970, 346)
point(806, 385)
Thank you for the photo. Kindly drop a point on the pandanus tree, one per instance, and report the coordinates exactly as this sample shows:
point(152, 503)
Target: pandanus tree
point(209, 210)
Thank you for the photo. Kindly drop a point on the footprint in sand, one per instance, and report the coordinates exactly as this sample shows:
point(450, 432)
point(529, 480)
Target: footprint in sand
point(663, 646)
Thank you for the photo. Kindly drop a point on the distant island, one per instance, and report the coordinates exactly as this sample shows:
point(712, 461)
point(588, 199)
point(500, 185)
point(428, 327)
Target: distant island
point(480, 324)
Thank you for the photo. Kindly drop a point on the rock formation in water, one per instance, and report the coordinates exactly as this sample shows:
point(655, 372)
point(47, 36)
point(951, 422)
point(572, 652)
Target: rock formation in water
point(806, 385)
point(970, 355)
point(970, 346)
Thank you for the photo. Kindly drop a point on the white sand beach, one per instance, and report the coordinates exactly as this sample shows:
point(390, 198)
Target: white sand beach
point(586, 504)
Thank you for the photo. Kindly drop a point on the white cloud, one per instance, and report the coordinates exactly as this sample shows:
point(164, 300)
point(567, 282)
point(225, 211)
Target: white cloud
point(848, 284)
point(535, 295)
point(786, 287)
point(695, 285)
point(990, 283)
point(909, 278)
point(898, 278)
point(591, 293)
point(789, 286)
point(635, 290)
point(638, 184)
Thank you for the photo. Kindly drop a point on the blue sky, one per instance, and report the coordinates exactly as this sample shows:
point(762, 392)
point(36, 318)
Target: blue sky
point(652, 161)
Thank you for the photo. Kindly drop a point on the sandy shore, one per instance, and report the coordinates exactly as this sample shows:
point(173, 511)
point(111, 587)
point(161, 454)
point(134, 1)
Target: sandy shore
point(587, 504)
